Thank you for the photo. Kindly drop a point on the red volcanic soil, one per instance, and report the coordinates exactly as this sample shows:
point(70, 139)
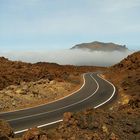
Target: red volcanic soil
point(121, 122)
point(126, 76)
point(25, 85)
point(14, 72)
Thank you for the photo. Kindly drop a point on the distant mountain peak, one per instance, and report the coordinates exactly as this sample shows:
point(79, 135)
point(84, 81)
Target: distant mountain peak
point(100, 46)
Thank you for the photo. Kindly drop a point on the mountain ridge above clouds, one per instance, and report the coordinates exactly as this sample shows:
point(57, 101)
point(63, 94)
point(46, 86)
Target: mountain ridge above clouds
point(86, 54)
point(101, 46)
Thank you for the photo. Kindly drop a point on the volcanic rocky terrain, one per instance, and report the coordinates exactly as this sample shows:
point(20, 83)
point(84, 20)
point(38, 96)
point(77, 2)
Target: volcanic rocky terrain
point(119, 121)
point(25, 84)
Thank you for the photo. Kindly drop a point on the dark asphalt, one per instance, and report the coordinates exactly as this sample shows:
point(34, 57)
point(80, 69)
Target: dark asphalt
point(95, 92)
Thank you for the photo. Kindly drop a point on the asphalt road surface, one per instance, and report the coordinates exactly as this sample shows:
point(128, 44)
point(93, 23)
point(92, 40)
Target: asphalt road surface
point(95, 92)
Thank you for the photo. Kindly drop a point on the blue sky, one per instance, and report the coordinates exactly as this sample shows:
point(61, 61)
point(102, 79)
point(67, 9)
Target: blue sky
point(60, 24)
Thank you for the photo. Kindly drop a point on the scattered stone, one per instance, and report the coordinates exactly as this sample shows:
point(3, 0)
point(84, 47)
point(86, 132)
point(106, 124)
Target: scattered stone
point(5, 130)
point(34, 134)
point(67, 116)
point(20, 91)
point(14, 103)
point(113, 137)
point(105, 129)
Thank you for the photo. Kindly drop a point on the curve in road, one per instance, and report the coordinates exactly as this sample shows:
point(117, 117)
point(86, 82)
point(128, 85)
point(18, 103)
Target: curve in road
point(95, 92)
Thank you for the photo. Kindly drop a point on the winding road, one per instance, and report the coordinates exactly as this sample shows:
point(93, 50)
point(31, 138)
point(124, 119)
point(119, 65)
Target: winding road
point(95, 92)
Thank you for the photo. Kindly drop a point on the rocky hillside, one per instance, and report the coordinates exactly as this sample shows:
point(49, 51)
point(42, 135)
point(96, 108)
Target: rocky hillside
point(14, 72)
point(122, 124)
point(126, 76)
point(132, 62)
point(28, 94)
point(100, 46)
point(25, 85)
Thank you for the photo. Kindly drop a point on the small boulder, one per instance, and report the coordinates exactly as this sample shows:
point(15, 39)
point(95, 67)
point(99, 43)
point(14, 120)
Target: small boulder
point(67, 116)
point(21, 91)
point(34, 134)
point(5, 130)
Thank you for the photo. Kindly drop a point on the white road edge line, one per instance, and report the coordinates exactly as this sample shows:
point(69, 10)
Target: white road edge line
point(114, 90)
point(21, 131)
point(51, 101)
point(40, 126)
point(61, 107)
point(49, 123)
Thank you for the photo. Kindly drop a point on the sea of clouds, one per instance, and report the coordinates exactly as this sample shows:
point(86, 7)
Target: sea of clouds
point(72, 57)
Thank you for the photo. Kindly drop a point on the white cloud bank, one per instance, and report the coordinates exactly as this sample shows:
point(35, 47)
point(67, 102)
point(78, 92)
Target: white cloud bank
point(73, 57)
